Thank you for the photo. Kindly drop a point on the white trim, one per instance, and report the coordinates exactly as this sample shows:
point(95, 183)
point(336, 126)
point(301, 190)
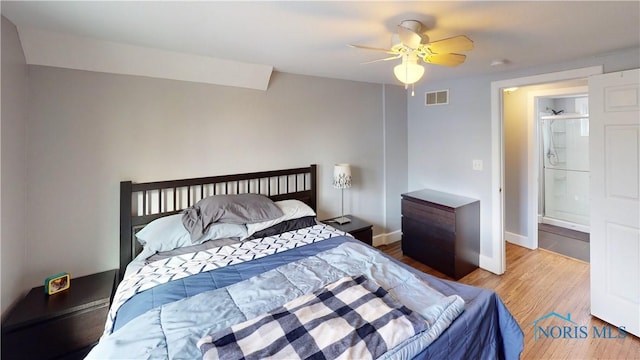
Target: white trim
point(388, 238)
point(518, 239)
point(497, 260)
point(488, 263)
point(384, 155)
point(565, 224)
point(496, 263)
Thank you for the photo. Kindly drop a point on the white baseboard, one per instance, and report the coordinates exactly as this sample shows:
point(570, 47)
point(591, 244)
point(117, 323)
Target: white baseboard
point(518, 239)
point(388, 238)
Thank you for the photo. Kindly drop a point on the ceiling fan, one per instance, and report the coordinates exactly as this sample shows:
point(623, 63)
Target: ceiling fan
point(413, 46)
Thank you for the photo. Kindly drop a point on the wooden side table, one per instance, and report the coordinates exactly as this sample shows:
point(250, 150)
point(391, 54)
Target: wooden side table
point(65, 324)
point(359, 228)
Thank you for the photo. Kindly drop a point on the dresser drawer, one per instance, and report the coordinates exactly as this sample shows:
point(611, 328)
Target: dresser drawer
point(436, 258)
point(57, 336)
point(429, 215)
point(420, 233)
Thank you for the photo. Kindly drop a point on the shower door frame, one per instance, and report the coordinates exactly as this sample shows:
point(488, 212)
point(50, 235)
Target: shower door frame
point(535, 161)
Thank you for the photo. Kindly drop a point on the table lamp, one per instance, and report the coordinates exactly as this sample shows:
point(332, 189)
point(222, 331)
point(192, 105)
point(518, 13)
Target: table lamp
point(342, 180)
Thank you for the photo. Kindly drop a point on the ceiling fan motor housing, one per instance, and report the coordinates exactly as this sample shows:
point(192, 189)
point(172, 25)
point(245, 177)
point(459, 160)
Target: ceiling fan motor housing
point(413, 25)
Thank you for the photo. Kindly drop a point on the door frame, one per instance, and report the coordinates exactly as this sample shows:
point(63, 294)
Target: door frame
point(497, 262)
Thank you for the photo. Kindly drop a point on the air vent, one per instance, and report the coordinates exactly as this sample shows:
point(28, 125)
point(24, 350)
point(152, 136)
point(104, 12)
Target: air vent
point(439, 97)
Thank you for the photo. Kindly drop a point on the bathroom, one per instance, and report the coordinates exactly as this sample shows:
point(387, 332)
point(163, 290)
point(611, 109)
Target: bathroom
point(546, 162)
point(564, 152)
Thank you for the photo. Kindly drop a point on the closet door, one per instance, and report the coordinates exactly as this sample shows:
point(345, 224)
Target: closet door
point(614, 106)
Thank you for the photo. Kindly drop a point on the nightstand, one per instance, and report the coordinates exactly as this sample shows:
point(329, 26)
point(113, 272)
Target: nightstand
point(359, 228)
point(65, 324)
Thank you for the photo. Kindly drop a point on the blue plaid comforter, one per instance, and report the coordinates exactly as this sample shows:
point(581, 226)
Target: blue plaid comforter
point(352, 318)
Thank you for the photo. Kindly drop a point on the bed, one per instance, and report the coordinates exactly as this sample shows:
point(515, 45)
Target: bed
point(249, 272)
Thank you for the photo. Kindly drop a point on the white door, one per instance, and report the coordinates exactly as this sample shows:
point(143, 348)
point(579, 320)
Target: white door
point(614, 107)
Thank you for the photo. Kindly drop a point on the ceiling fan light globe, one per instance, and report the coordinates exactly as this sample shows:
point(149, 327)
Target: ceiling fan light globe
point(408, 73)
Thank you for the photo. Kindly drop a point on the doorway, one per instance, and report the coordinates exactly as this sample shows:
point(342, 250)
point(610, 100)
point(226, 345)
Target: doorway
point(557, 116)
point(529, 203)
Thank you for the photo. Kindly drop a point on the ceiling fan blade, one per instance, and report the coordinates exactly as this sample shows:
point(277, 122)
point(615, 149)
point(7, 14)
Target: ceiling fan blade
point(445, 59)
point(409, 37)
point(385, 59)
point(450, 45)
point(388, 51)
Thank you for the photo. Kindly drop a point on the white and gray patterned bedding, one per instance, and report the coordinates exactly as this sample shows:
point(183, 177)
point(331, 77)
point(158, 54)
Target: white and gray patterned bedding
point(191, 249)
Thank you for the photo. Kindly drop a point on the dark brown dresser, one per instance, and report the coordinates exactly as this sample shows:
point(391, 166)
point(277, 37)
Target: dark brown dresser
point(64, 325)
point(441, 230)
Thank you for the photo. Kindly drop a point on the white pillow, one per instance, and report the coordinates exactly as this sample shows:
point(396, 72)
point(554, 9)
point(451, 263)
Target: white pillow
point(292, 209)
point(168, 233)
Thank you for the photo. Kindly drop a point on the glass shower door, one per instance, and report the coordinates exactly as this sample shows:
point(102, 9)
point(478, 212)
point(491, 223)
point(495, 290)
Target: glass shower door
point(566, 167)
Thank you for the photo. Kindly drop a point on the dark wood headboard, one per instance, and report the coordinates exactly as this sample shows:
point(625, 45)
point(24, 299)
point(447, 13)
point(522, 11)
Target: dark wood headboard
point(141, 203)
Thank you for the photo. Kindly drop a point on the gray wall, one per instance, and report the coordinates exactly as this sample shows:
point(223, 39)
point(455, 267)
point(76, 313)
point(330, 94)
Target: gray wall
point(14, 170)
point(88, 131)
point(395, 160)
point(515, 161)
point(443, 140)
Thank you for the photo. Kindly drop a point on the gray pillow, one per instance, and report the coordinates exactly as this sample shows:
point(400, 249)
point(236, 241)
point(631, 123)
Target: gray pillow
point(230, 209)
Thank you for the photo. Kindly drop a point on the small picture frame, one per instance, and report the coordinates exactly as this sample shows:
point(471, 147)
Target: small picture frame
point(57, 283)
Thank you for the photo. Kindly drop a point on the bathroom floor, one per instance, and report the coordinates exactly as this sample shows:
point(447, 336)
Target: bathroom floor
point(563, 241)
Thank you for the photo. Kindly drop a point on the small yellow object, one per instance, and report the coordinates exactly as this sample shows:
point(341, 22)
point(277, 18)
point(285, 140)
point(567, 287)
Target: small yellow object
point(56, 283)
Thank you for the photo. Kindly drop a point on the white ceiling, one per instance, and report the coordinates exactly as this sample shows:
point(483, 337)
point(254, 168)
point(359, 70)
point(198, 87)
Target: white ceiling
point(311, 37)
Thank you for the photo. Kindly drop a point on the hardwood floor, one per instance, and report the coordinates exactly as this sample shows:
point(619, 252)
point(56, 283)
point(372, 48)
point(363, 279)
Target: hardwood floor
point(535, 284)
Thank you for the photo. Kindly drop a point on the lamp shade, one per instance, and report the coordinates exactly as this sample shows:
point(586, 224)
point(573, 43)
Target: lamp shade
point(341, 176)
point(409, 71)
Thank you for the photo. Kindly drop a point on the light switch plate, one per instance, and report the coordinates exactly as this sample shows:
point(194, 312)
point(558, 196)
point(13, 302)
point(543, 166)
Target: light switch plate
point(477, 165)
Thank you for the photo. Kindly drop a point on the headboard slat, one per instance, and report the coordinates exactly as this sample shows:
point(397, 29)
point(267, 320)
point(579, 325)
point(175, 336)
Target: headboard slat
point(175, 197)
point(132, 218)
point(144, 202)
